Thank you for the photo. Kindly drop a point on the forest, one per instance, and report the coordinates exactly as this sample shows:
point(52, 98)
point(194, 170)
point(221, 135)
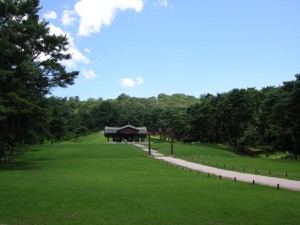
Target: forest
point(30, 67)
point(245, 119)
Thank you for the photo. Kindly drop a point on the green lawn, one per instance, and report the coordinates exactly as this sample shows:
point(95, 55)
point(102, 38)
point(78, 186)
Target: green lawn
point(220, 155)
point(81, 183)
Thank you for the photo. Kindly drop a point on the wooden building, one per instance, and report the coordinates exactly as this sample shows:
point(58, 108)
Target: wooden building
point(126, 133)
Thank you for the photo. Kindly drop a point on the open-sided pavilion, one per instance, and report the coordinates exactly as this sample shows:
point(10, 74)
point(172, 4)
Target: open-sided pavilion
point(126, 133)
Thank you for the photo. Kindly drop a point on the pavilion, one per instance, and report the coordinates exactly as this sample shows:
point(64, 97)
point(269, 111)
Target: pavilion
point(126, 133)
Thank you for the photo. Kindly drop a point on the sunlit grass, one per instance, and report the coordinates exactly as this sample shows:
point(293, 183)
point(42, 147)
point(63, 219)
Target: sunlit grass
point(81, 183)
point(224, 157)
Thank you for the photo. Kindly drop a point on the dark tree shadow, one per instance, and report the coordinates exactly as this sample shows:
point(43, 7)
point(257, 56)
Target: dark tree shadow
point(22, 166)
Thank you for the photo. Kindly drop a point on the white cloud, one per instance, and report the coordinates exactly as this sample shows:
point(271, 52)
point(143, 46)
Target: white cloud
point(89, 74)
point(163, 4)
point(77, 56)
point(55, 30)
point(131, 83)
point(96, 13)
point(87, 50)
point(68, 18)
point(58, 31)
point(139, 81)
point(50, 15)
point(127, 82)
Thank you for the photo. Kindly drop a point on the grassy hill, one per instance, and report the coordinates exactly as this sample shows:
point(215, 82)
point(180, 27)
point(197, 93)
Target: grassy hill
point(90, 182)
point(95, 138)
point(224, 157)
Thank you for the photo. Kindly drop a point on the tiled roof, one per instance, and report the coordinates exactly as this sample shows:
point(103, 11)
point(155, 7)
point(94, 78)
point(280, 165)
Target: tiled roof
point(113, 130)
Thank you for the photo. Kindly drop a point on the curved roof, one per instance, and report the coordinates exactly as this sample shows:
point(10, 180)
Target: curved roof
point(114, 130)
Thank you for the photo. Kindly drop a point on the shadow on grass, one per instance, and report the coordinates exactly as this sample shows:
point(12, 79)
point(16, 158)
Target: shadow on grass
point(18, 166)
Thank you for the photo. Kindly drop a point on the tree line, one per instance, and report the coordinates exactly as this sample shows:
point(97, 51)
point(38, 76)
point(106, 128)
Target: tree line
point(30, 67)
point(245, 119)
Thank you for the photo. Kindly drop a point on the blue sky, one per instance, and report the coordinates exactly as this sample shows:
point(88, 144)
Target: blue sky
point(144, 48)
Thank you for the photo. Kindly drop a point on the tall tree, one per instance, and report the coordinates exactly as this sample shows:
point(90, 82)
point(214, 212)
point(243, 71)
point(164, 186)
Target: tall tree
point(30, 66)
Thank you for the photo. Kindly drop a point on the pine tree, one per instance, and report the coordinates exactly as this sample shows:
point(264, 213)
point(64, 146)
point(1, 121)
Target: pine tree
point(30, 67)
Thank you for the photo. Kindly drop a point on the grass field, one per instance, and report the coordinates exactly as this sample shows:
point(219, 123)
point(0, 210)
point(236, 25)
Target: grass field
point(89, 182)
point(224, 157)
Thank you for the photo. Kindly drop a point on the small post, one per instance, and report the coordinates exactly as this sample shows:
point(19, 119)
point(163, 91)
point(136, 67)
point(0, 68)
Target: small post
point(220, 177)
point(172, 140)
point(234, 178)
point(149, 141)
point(277, 186)
point(253, 182)
point(286, 174)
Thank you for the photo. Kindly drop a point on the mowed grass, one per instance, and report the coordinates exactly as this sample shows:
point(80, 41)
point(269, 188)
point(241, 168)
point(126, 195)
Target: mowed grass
point(81, 183)
point(220, 155)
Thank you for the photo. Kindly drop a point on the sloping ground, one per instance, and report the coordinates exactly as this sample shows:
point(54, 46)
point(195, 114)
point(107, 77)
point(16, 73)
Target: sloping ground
point(223, 157)
point(249, 178)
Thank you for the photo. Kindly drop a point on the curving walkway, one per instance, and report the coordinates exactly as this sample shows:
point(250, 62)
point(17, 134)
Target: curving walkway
point(258, 179)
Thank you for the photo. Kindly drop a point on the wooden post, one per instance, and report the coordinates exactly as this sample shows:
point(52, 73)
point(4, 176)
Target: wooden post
point(172, 140)
point(149, 141)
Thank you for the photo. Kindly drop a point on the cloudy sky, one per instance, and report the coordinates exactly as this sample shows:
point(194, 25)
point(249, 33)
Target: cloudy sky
point(146, 47)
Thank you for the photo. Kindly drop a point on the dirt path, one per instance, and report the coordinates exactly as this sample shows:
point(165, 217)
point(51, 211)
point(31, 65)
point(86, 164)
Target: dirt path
point(249, 178)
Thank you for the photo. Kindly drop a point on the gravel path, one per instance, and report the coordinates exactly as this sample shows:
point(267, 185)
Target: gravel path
point(258, 179)
point(249, 178)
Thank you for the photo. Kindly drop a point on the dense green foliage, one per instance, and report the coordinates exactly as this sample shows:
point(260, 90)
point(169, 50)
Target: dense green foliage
point(267, 119)
point(248, 120)
point(80, 183)
point(30, 66)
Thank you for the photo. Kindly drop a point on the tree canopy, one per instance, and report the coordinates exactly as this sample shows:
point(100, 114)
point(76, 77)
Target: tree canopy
point(30, 66)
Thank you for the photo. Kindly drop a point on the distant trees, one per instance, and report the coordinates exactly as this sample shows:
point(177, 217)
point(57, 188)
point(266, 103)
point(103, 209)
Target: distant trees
point(266, 119)
point(247, 118)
